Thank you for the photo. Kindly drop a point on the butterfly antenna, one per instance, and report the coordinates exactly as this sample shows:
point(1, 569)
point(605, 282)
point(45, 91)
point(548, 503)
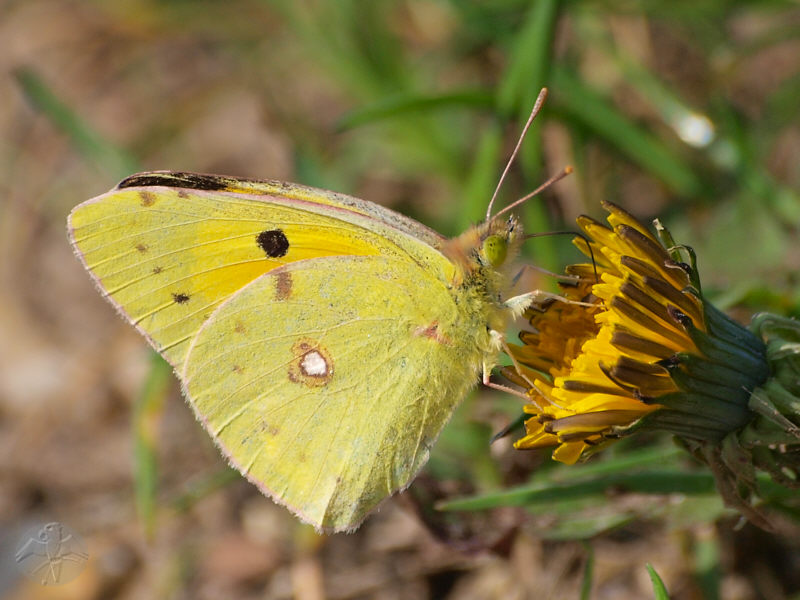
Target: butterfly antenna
point(543, 271)
point(537, 106)
point(575, 233)
point(555, 178)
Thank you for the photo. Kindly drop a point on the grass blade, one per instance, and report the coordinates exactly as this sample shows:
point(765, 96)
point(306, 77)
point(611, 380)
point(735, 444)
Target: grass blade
point(588, 572)
point(539, 494)
point(146, 416)
point(659, 589)
point(413, 104)
point(88, 142)
point(582, 105)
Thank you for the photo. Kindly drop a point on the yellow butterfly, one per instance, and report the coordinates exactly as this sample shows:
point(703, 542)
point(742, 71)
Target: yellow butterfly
point(323, 341)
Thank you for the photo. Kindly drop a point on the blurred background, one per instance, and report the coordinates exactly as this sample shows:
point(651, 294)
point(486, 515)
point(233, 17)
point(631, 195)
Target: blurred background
point(685, 110)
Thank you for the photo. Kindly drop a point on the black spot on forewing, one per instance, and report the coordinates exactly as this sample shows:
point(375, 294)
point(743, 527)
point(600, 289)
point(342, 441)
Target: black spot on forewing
point(141, 248)
point(174, 179)
point(180, 298)
point(273, 242)
point(157, 270)
point(148, 198)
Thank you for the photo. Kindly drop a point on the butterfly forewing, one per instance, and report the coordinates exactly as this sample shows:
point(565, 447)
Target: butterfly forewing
point(167, 257)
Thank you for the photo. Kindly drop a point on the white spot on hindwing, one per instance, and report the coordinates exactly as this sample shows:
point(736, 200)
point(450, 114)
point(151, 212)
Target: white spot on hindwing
point(311, 364)
point(314, 364)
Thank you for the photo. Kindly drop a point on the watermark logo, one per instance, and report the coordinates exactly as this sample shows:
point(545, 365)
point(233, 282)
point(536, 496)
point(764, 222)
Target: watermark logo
point(51, 554)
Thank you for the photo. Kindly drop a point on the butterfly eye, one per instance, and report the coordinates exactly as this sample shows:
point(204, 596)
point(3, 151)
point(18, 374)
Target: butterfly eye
point(495, 249)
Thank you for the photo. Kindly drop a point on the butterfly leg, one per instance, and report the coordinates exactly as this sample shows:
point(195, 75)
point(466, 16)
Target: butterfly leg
point(499, 342)
point(504, 388)
point(518, 304)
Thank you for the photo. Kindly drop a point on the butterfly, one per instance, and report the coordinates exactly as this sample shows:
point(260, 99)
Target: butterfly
point(323, 341)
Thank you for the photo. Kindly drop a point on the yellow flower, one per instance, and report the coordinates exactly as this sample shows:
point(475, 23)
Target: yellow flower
point(634, 344)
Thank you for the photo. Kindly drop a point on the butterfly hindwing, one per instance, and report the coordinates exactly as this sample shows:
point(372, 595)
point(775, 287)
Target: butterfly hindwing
point(326, 381)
